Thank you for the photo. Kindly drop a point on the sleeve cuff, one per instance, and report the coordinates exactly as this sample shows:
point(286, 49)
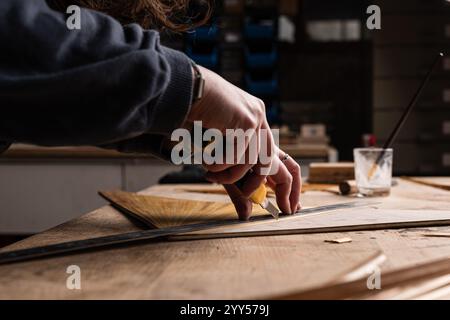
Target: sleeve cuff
point(174, 105)
point(143, 144)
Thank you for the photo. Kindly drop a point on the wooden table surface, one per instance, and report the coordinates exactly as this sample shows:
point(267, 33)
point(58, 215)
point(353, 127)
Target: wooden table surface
point(237, 268)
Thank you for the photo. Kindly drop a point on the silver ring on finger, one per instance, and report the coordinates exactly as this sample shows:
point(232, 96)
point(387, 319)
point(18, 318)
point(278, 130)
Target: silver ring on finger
point(285, 157)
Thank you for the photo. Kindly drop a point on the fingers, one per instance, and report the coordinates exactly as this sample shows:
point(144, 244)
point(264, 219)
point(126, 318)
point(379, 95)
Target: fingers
point(237, 171)
point(241, 203)
point(241, 147)
point(265, 162)
point(294, 169)
point(253, 180)
point(258, 157)
point(281, 183)
point(228, 161)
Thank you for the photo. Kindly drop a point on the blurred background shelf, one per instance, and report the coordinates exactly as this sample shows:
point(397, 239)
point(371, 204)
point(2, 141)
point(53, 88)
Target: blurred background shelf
point(413, 33)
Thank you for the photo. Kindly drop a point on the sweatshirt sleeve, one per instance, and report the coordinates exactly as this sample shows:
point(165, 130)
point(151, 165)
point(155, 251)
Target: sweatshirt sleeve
point(99, 85)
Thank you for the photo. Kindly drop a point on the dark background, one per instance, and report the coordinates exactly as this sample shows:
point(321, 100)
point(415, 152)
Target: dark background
point(354, 80)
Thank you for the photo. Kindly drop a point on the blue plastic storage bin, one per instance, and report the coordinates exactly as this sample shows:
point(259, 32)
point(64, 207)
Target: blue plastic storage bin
point(259, 31)
point(273, 112)
point(261, 59)
point(209, 61)
point(267, 87)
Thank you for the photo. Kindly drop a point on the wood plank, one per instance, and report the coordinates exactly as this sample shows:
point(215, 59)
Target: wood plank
point(223, 268)
point(404, 283)
point(163, 212)
point(331, 172)
point(363, 269)
point(336, 221)
point(436, 182)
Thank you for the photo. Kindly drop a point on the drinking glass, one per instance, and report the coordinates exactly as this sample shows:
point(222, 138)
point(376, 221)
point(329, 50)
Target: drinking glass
point(373, 178)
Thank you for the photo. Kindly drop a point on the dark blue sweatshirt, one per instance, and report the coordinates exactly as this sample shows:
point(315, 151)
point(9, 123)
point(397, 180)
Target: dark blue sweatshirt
point(104, 85)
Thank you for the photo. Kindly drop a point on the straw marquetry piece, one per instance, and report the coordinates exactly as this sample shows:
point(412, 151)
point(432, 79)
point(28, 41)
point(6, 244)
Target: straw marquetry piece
point(161, 212)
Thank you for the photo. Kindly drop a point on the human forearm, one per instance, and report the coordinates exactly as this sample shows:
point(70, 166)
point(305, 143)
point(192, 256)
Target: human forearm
point(98, 85)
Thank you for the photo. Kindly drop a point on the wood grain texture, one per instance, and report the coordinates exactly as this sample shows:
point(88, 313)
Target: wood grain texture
point(405, 283)
point(236, 268)
point(362, 269)
point(161, 212)
point(331, 172)
point(438, 182)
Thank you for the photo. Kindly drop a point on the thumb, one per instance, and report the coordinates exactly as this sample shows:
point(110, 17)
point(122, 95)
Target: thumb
point(242, 204)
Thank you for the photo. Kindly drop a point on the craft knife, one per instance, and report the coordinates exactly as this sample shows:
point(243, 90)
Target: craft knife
point(260, 197)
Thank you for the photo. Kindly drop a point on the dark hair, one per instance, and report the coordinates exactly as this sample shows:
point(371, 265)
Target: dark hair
point(175, 15)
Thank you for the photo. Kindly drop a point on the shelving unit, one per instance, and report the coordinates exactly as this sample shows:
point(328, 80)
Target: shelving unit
point(412, 34)
point(261, 55)
point(327, 72)
point(240, 43)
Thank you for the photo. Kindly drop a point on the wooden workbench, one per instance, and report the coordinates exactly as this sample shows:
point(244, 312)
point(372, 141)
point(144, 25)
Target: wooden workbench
point(236, 268)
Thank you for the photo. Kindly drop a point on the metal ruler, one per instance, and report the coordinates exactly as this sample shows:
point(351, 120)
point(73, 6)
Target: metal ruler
point(137, 236)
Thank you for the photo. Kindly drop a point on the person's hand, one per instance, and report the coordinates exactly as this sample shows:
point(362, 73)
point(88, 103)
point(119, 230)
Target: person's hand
point(225, 106)
point(286, 182)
